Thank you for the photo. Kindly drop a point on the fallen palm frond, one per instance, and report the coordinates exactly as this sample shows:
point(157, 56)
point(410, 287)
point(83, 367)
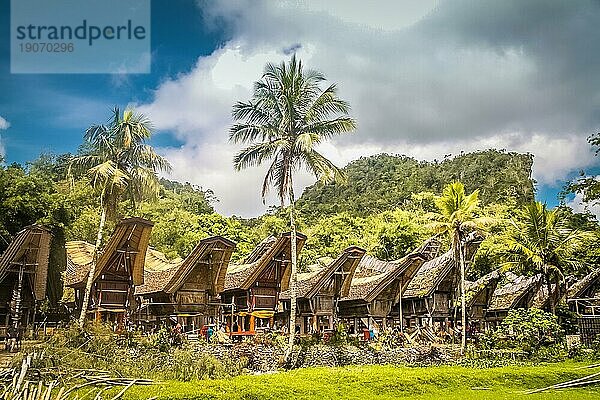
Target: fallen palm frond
point(27, 383)
point(589, 366)
point(586, 380)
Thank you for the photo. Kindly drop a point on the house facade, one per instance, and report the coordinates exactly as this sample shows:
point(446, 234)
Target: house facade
point(186, 291)
point(23, 278)
point(320, 290)
point(119, 269)
point(251, 297)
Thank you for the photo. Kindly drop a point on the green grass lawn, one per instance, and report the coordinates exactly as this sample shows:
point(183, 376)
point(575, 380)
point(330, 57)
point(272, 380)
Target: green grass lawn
point(383, 382)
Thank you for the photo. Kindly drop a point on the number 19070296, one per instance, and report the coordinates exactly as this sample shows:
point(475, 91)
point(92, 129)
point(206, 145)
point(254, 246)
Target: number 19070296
point(43, 47)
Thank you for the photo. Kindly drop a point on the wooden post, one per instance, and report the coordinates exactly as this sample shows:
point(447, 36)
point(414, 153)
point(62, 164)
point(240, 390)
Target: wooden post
point(232, 311)
point(17, 298)
point(400, 307)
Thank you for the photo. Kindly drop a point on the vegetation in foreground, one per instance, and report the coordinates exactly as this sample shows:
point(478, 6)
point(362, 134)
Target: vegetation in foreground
point(383, 382)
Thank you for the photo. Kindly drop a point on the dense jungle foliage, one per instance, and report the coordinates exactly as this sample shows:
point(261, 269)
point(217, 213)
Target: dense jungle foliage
point(381, 182)
point(387, 206)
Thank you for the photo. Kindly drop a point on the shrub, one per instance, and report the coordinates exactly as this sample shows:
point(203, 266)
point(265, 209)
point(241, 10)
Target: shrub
point(527, 330)
point(130, 355)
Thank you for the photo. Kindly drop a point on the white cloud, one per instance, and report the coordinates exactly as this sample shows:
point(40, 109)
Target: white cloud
point(387, 16)
point(579, 206)
point(197, 107)
point(4, 124)
point(420, 84)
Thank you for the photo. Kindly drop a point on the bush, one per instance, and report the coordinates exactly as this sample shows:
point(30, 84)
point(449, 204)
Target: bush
point(131, 355)
point(526, 329)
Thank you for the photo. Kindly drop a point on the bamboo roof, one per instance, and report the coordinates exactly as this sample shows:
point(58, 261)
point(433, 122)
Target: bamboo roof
point(541, 298)
point(243, 276)
point(131, 237)
point(363, 284)
point(309, 283)
point(157, 261)
point(161, 275)
point(578, 289)
point(374, 275)
point(430, 275)
point(306, 280)
point(474, 289)
point(511, 293)
point(434, 271)
point(30, 248)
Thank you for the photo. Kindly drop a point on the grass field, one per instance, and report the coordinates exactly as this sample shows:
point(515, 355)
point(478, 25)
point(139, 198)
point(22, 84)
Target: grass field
point(383, 382)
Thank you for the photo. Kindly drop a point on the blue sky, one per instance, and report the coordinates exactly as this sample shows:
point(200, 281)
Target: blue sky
point(49, 112)
point(424, 78)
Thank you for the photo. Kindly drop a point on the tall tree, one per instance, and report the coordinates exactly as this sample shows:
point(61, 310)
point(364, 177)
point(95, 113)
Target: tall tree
point(458, 219)
point(119, 163)
point(542, 242)
point(288, 116)
point(589, 186)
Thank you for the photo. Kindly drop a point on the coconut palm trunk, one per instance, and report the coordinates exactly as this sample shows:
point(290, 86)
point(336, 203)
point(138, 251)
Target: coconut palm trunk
point(549, 288)
point(288, 116)
point(118, 161)
point(293, 279)
point(90, 279)
point(459, 258)
point(463, 305)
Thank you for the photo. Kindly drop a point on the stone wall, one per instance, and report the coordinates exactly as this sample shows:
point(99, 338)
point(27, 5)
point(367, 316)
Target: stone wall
point(267, 358)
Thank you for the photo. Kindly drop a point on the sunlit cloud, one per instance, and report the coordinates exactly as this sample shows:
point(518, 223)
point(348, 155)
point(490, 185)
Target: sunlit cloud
point(441, 78)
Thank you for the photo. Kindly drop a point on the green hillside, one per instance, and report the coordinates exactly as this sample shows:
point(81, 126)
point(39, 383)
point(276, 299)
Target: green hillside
point(384, 182)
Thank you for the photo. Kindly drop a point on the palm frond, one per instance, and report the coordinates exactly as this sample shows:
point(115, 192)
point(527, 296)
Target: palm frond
point(117, 159)
point(323, 169)
point(255, 154)
point(288, 116)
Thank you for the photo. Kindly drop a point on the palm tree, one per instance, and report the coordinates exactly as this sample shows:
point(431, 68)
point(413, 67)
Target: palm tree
point(118, 162)
point(458, 219)
point(541, 240)
point(287, 117)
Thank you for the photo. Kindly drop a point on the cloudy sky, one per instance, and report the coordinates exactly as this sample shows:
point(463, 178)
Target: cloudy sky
point(425, 78)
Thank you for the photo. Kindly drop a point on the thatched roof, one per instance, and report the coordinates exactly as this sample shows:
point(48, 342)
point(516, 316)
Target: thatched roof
point(309, 283)
point(509, 295)
point(157, 261)
point(271, 249)
point(30, 247)
point(307, 280)
point(164, 276)
point(79, 259)
point(473, 289)
point(374, 275)
point(578, 289)
point(433, 272)
point(131, 237)
point(541, 298)
point(364, 283)
point(430, 275)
